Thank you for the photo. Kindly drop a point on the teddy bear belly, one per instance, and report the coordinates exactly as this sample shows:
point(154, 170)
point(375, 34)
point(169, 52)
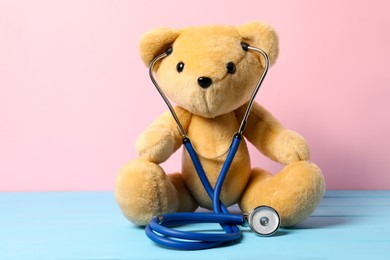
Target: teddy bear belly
point(211, 139)
point(235, 181)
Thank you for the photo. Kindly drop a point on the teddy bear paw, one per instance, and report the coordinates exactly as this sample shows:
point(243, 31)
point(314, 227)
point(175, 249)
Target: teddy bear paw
point(156, 145)
point(291, 147)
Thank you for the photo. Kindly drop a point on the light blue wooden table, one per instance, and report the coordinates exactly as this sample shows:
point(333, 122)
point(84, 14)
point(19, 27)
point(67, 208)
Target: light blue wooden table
point(89, 225)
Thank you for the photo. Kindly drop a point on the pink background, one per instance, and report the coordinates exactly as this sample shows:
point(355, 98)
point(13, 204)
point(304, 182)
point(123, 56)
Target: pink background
point(74, 94)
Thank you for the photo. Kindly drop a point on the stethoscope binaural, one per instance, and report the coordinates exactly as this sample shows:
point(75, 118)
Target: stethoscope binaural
point(263, 220)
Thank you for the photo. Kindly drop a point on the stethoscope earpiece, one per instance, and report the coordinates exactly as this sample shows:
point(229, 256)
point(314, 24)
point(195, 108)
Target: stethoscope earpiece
point(245, 46)
point(169, 51)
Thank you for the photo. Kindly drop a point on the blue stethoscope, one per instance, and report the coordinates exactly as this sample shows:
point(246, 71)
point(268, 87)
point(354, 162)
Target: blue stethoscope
point(263, 220)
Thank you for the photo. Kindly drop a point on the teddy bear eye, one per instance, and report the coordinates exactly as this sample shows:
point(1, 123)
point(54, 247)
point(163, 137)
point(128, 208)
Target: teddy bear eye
point(180, 67)
point(231, 68)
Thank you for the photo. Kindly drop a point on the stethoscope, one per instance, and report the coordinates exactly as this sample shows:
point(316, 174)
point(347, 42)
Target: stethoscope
point(263, 220)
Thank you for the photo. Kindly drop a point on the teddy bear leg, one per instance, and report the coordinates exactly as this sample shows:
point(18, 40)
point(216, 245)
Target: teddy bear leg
point(186, 201)
point(295, 192)
point(143, 191)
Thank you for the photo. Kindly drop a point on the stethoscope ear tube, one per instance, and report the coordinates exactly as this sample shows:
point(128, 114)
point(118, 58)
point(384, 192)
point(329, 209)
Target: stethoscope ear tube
point(258, 85)
point(161, 92)
point(244, 120)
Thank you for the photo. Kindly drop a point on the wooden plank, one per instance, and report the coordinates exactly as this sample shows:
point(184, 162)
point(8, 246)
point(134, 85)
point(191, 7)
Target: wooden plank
point(357, 193)
point(89, 225)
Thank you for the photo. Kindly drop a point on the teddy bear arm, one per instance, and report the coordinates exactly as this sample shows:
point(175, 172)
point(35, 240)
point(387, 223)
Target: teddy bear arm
point(162, 138)
point(265, 132)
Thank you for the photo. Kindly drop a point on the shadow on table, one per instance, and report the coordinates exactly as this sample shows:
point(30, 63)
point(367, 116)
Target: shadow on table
point(314, 222)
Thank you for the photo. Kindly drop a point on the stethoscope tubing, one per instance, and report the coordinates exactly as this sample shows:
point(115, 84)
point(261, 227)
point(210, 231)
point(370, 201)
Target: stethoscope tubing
point(214, 194)
point(177, 239)
point(223, 173)
point(170, 220)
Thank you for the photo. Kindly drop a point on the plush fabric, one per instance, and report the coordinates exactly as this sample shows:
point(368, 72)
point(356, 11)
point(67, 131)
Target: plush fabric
point(210, 116)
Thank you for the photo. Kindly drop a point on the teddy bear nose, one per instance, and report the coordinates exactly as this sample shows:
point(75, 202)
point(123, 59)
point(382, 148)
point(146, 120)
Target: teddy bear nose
point(204, 82)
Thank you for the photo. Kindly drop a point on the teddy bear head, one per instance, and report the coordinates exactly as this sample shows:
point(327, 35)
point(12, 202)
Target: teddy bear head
point(208, 71)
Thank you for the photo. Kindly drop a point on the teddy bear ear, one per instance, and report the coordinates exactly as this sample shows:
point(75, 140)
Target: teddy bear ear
point(263, 36)
point(155, 42)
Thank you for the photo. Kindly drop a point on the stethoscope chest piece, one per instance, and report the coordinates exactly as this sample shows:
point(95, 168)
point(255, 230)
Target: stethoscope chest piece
point(263, 220)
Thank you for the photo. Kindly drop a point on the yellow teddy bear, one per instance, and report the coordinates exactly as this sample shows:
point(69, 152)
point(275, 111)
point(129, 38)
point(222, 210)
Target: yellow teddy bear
point(210, 76)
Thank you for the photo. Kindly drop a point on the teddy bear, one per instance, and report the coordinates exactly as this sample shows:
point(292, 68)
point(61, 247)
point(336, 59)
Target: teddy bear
point(210, 77)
